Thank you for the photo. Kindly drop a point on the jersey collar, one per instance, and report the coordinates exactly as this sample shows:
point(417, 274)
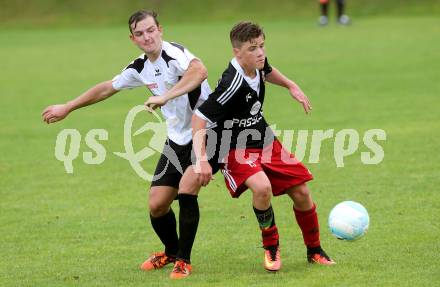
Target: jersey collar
point(240, 70)
point(248, 80)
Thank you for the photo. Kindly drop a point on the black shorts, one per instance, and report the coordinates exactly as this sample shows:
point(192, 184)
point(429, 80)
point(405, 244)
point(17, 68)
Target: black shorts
point(173, 162)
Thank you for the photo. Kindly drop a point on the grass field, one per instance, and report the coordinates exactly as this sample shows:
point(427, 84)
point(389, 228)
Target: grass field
point(92, 229)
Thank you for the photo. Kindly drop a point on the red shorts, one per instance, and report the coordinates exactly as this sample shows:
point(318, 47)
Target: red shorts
point(280, 166)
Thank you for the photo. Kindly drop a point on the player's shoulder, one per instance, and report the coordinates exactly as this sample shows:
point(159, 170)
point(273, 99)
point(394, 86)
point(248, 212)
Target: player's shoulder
point(138, 64)
point(267, 67)
point(172, 51)
point(230, 77)
point(180, 47)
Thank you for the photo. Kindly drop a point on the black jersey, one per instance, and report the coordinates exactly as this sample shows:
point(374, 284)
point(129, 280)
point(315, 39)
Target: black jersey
point(237, 105)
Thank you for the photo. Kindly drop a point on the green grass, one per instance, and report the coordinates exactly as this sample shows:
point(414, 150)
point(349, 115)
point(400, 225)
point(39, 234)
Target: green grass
point(91, 228)
point(68, 13)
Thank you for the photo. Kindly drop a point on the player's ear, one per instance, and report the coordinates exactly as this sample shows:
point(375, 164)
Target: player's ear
point(160, 29)
point(236, 51)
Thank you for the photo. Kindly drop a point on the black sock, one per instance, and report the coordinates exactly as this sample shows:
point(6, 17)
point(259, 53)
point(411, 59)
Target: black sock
point(266, 218)
point(188, 223)
point(324, 9)
point(314, 250)
point(165, 228)
point(340, 5)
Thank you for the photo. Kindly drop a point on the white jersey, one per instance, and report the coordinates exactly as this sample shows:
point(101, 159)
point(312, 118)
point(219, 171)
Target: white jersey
point(160, 76)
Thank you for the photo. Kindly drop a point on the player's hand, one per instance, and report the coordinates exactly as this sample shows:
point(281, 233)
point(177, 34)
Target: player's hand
point(204, 172)
point(55, 113)
point(154, 102)
point(298, 95)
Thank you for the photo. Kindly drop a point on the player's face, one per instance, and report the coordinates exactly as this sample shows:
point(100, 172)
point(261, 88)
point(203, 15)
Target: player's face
point(251, 54)
point(147, 36)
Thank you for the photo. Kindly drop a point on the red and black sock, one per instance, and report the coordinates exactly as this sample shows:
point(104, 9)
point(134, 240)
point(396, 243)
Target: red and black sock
point(269, 231)
point(308, 222)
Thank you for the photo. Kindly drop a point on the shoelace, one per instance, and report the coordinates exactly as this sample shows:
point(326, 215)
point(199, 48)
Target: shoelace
point(158, 259)
point(180, 267)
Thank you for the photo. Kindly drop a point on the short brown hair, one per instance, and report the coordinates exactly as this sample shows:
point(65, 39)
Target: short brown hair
point(243, 32)
point(141, 15)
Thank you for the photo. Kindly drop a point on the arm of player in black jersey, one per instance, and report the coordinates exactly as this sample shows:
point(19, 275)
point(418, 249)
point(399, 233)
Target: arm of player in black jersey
point(277, 78)
point(95, 94)
point(202, 167)
point(191, 79)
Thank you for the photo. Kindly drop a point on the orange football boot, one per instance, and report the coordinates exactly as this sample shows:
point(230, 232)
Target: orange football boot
point(272, 258)
point(181, 270)
point(157, 261)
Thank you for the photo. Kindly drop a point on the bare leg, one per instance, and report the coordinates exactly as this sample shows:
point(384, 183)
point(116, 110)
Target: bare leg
point(261, 190)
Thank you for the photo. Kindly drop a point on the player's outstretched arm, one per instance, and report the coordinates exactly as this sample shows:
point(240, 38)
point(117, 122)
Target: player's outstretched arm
point(202, 167)
point(277, 78)
point(191, 79)
point(95, 94)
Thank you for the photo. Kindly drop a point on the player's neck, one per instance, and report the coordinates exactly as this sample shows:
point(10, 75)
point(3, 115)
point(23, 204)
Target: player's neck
point(249, 72)
point(153, 56)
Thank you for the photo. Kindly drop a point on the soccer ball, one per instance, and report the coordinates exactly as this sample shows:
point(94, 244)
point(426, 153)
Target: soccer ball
point(348, 220)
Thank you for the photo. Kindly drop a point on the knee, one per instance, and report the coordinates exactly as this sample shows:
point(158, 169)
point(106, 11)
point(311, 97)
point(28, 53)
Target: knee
point(188, 189)
point(302, 192)
point(158, 209)
point(263, 192)
point(189, 185)
point(301, 197)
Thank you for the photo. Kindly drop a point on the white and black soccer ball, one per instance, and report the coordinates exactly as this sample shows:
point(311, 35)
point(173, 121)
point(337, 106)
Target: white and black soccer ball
point(348, 220)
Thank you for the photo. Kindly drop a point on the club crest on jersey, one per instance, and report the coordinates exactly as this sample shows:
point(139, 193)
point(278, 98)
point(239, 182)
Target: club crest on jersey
point(255, 108)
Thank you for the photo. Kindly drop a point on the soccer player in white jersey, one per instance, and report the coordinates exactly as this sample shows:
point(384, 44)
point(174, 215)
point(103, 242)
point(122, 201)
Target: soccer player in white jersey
point(168, 70)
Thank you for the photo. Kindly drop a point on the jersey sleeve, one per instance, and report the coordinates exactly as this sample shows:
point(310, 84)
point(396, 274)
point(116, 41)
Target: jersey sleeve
point(127, 79)
point(215, 108)
point(183, 58)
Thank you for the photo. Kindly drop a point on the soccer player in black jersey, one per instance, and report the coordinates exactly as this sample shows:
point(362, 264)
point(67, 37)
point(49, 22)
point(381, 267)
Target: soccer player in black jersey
point(255, 159)
point(247, 152)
